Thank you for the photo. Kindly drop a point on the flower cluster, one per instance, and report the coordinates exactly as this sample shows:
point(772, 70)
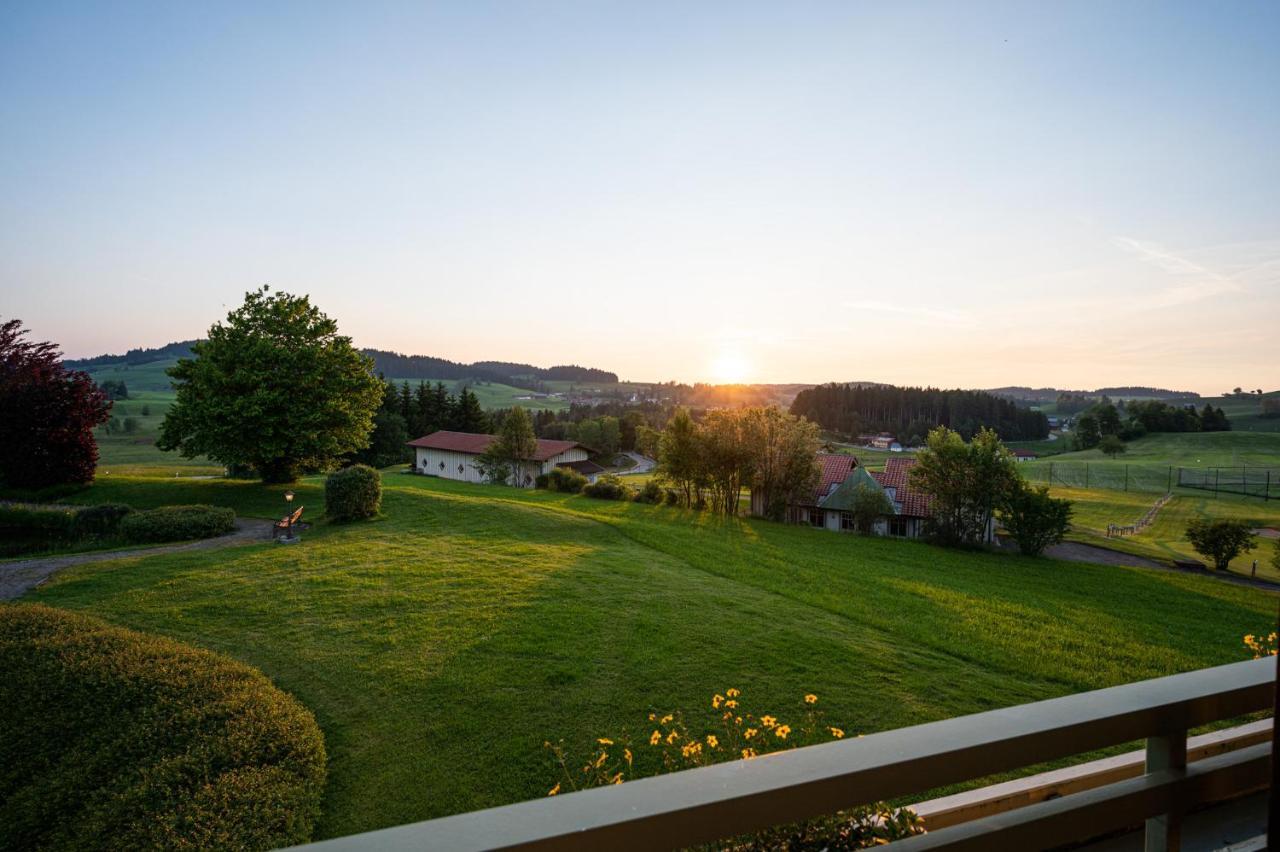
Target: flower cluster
point(730, 731)
point(1261, 646)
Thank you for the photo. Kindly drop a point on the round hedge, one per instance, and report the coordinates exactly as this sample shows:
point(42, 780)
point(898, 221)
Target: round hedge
point(353, 493)
point(177, 523)
point(115, 739)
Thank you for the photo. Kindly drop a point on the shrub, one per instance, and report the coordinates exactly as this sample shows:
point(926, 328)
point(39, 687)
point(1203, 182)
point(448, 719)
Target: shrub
point(651, 492)
point(542, 480)
point(565, 480)
point(608, 487)
point(113, 738)
point(102, 519)
point(673, 497)
point(177, 523)
point(1221, 540)
point(353, 493)
point(670, 742)
point(1034, 519)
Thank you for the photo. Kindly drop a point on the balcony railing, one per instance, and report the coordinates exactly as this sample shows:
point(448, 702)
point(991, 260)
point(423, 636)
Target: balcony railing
point(714, 802)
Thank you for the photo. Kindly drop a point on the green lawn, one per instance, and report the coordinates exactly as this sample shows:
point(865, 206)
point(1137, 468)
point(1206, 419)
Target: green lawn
point(441, 644)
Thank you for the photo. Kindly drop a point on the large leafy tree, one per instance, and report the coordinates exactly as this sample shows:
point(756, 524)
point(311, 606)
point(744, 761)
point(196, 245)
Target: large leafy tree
point(680, 457)
point(966, 481)
point(1221, 540)
point(275, 387)
point(47, 414)
point(1034, 519)
point(783, 450)
point(509, 457)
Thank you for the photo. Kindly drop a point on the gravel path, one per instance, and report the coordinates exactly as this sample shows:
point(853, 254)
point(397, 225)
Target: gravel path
point(1074, 551)
point(19, 576)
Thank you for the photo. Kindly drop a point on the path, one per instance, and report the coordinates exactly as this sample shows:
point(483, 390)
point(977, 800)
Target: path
point(1074, 551)
point(19, 576)
point(644, 464)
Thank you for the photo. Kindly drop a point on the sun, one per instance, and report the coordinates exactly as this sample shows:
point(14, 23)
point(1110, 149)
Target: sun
point(730, 367)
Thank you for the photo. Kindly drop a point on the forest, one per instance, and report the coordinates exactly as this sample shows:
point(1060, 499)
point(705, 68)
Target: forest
point(909, 413)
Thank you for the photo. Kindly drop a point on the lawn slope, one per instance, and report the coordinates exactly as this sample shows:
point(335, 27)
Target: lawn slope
point(441, 644)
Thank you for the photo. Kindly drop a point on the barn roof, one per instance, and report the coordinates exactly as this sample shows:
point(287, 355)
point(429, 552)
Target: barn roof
point(472, 443)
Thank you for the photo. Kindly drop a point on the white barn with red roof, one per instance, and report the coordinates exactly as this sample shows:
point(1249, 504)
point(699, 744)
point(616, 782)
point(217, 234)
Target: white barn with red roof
point(453, 455)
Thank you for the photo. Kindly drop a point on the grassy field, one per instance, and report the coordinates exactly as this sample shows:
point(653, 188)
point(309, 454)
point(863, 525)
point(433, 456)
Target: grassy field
point(496, 395)
point(441, 644)
point(1245, 413)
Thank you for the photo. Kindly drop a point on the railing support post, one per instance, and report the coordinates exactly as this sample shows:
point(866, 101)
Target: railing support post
point(1164, 832)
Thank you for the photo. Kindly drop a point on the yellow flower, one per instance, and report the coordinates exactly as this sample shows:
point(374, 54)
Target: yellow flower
point(768, 721)
point(555, 791)
point(652, 716)
point(712, 741)
point(731, 703)
point(837, 733)
point(601, 759)
point(605, 741)
point(691, 749)
point(748, 753)
point(617, 779)
point(732, 693)
point(717, 700)
point(749, 733)
point(667, 718)
point(781, 731)
point(672, 737)
point(655, 738)
point(626, 754)
point(737, 721)
point(811, 699)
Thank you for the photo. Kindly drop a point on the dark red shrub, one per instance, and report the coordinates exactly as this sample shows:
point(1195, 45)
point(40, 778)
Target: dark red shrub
point(47, 414)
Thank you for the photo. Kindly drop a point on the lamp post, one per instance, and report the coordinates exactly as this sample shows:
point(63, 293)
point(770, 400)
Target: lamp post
point(288, 499)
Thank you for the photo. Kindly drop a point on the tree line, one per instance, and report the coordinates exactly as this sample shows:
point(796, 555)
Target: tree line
point(1107, 425)
point(911, 412)
point(408, 412)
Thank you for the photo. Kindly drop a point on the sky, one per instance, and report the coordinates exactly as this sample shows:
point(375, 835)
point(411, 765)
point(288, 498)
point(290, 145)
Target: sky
point(974, 194)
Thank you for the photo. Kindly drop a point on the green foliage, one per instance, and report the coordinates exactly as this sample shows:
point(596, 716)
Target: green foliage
point(608, 487)
point(650, 492)
point(1087, 432)
point(1034, 519)
point(679, 460)
point(25, 527)
point(1112, 445)
point(352, 493)
point(509, 457)
point(275, 387)
point(781, 453)
point(966, 483)
point(565, 480)
point(869, 505)
point(177, 523)
point(98, 520)
point(1221, 540)
point(1275, 555)
point(116, 739)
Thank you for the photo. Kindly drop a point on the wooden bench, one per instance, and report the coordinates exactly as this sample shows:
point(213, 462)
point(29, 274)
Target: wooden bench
point(287, 523)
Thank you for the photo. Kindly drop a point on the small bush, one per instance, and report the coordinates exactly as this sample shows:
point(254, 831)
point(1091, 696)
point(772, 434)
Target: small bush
point(116, 739)
point(566, 480)
point(608, 487)
point(541, 480)
point(651, 492)
point(51, 522)
point(177, 523)
point(353, 493)
point(99, 520)
point(673, 497)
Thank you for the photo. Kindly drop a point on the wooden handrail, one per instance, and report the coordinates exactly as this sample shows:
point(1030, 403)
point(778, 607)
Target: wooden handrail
point(713, 802)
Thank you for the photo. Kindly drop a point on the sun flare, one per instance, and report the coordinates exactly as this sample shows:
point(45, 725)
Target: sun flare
point(730, 367)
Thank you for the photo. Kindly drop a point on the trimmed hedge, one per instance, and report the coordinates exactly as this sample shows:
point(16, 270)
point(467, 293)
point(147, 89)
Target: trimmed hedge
point(565, 480)
point(608, 487)
point(353, 493)
point(26, 527)
point(177, 523)
point(114, 739)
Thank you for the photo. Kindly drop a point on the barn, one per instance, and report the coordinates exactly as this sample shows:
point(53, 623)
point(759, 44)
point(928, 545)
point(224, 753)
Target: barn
point(453, 455)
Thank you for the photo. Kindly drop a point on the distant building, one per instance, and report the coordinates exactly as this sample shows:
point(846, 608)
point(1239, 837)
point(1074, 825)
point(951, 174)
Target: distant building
point(453, 455)
point(1025, 455)
point(882, 441)
point(831, 503)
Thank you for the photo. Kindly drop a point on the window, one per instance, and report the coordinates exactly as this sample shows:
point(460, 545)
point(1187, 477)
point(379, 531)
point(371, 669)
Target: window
point(817, 518)
point(846, 521)
point(898, 526)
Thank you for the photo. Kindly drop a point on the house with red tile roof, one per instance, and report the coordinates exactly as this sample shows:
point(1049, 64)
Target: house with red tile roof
point(830, 506)
point(453, 455)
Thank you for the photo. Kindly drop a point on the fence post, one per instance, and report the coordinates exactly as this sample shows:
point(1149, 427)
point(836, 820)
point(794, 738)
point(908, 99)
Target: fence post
point(1168, 482)
point(1163, 832)
point(1215, 482)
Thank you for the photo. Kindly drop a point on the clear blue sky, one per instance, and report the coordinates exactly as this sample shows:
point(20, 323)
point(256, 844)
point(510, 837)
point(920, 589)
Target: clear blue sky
point(1071, 194)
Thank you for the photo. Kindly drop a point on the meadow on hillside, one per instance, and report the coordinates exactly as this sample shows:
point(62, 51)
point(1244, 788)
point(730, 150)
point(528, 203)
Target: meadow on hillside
point(441, 644)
